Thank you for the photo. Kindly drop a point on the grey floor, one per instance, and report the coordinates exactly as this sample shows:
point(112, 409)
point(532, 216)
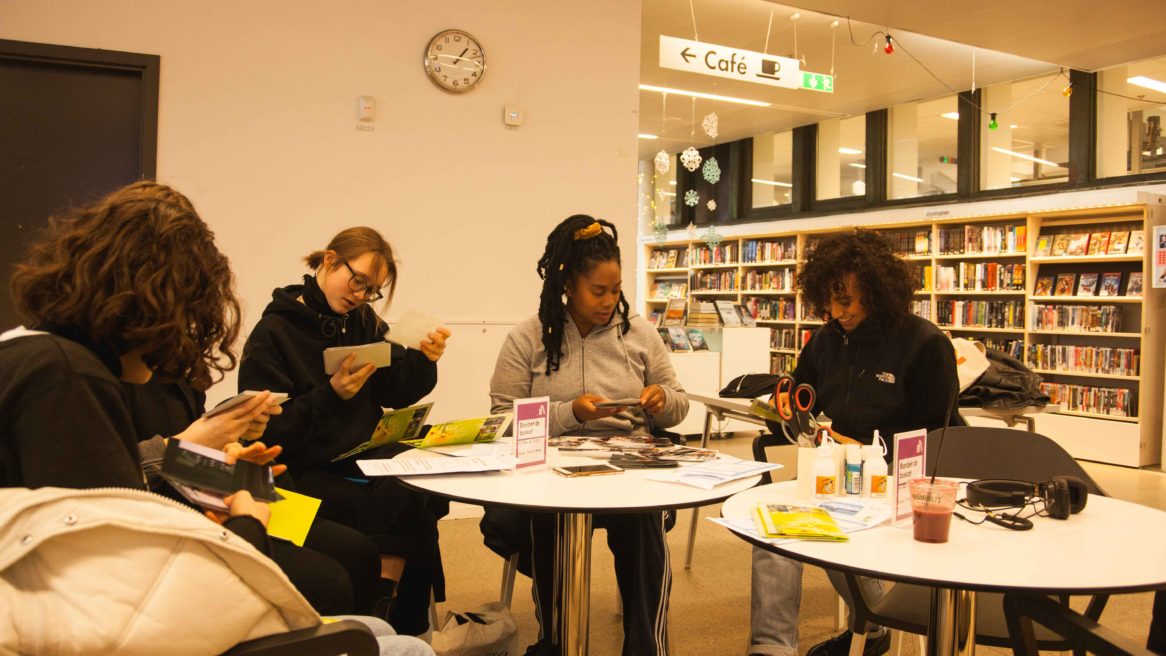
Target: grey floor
point(710, 602)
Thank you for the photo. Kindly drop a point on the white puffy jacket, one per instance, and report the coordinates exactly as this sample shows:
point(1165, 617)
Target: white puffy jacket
point(120, 571)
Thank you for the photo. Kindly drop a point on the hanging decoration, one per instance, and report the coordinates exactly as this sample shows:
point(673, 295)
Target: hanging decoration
point(710, 124)
point(691, 198)
point(890, 47)
point(712, 237)
point(711, 170)
point(691, 230)
point(690, 158)
point(661, 230)
point(663, 162)
point(712, 205)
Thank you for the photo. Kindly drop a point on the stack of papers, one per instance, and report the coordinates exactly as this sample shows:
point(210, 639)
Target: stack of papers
point(851, 515)
point(429, 466)
point(707, 475)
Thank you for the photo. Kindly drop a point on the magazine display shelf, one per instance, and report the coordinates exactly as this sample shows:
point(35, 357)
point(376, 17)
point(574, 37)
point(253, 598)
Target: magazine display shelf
point(979, 280)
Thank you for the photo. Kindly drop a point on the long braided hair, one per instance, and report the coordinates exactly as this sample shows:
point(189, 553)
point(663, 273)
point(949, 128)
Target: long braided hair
point(573, 247)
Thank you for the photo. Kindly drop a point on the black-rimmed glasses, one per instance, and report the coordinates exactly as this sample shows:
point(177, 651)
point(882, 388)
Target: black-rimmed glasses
point(358, 284)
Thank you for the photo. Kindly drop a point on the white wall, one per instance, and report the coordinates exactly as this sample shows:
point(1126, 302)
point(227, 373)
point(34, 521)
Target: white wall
point(257, 126)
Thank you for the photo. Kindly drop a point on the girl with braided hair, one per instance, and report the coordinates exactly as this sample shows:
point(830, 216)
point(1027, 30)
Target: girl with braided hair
point(583, 348)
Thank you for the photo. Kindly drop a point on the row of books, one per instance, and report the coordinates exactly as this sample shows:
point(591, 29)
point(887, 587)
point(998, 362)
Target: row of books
point(1086, 284)
point(669, 289)
point(771, 309)
point(1084, 359)
point(672, 258)
point(921, 307)
point(708, 313)
point(979, 277)
point(1075, 244)
point(923, 276)
point(782, 363)
point(1077, 318)
point(703, 313)
point(683, 339)
point(715, 281)
point(980, 314)
point(783, 338)
point(917, 242)
point(983, 240)
point(755, 251)
point(772, 280)
point(720, 254)
point(1013, 347)
point(1111, 401)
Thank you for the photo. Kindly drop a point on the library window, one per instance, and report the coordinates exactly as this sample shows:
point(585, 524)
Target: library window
point(657, 193)
point(1131, 107)
point(921, 148)
point(1029, 143)
point(772, 177)
point(841, 158)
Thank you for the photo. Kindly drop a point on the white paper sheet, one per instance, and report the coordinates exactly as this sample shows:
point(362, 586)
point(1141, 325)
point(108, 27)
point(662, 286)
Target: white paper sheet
point(707, 475)
point(413, 327)
point(378, 353)
point(428, 466)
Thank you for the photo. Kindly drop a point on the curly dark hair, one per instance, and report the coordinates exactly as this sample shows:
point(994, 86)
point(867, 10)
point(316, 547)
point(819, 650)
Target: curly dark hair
point(566, 256)
point(137, 269)
point(886, 281)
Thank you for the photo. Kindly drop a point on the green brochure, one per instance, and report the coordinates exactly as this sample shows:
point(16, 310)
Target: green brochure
point(394, 426)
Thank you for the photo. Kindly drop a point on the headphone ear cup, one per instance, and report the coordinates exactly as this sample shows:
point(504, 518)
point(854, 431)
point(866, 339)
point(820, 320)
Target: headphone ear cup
point(1078, 493)
point(1057, 501)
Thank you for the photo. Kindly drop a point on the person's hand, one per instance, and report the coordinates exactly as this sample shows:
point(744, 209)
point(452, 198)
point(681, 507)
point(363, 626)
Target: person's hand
point(241, 504)
point(585, 410)
point(434, 346)
point(652, 399)
point(243, 421)
point(346, 383)
point(256, 452)
point(842, 439)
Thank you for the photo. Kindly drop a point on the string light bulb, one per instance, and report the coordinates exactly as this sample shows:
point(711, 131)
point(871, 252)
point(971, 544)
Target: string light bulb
point(890, 47)
point(992, 124)
point(1067, 91)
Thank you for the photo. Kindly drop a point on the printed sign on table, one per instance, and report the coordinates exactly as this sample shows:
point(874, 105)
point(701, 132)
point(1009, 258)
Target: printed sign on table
point(910, 462)
point(531, 423)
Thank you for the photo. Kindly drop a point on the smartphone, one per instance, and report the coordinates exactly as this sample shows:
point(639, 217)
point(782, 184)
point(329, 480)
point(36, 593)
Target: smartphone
point(631, 461)
point(619, 403)
point(587, 470)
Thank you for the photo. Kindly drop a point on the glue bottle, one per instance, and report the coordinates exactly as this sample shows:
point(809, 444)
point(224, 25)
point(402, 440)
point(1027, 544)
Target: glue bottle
point(874, 468)
point(853, 469)
point(825, 474)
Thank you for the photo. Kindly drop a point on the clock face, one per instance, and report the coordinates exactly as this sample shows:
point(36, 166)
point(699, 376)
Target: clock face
point(455, 61)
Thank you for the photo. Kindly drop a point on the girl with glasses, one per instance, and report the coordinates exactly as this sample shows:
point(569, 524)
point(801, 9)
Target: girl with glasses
point(327, 415)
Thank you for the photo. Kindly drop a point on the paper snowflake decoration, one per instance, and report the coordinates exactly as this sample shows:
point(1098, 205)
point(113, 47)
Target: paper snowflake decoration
point(710, 124)
point(712, 237)
point(691, 230)
point(712, 204)
point(691, 198)
point(661, 230)
point(690, 158)
point(663, 162)
point(711, 170)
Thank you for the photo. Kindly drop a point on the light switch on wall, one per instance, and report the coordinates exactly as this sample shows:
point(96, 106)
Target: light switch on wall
point(512, 116)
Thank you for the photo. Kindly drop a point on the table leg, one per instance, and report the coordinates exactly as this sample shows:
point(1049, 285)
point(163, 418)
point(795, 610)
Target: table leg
point(951, 630)
point(573, 576)
point(704, 444)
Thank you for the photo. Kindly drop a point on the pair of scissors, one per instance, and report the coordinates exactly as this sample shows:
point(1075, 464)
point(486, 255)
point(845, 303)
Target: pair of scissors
point(795, 405)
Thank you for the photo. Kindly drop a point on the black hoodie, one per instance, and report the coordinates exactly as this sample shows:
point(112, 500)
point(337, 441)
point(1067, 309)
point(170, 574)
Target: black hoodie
point(285, 353)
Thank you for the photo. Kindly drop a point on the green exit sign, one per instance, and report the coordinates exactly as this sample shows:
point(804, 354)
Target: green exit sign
point(818, 82)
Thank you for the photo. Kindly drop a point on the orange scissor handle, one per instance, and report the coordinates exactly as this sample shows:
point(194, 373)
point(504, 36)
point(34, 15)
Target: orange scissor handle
point(781, 398)
point(803, 398)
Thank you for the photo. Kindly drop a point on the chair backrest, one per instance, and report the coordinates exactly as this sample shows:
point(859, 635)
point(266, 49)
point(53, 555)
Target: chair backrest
point(991, 452)
point(760, 443)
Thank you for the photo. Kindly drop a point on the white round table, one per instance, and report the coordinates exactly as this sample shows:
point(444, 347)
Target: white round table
point(1111, 546)
point(573, 500)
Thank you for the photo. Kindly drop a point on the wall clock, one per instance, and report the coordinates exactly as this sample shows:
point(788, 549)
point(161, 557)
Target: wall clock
point(455, 61)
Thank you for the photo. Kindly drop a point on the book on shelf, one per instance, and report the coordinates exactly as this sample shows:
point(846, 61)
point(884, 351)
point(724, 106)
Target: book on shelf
point(1098, 243)
point(745, 316)
point(664, 337)
point(1044, 245)
point(671, 262)
point(728, 313)
point(696, 339)
point(654, 317)
point(1044, 286)
point(1118, 241)
point(1134, 287)
point(1137, 244)
point(1071, 359)
point(1087, 284)
point(1077, 318)
point(674, 312)
point(1110, 284)
point(703, 313)
point(1060, 244)
point(1078, 243)
point(803, 522)
point(1064, 285)
point(678, 339)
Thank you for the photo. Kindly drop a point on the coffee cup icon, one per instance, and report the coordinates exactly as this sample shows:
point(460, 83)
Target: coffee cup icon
point(770, 68)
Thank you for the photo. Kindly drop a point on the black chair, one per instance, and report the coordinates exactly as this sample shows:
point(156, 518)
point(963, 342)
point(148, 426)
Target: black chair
point(333, 639)
point(1082, 632)
point(760, 444)
point(976, 452)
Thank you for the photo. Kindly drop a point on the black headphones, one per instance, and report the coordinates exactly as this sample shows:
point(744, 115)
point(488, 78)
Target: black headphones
point(1063, 496)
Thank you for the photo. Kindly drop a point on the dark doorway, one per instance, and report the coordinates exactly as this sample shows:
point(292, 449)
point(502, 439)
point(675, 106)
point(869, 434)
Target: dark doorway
point(75, 124)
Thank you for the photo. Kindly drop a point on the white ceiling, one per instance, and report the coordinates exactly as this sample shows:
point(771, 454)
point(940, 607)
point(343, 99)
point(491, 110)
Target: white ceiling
point(980, 43)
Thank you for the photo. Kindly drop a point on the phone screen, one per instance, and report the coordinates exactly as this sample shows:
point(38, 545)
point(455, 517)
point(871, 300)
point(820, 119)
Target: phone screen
point(587, 470)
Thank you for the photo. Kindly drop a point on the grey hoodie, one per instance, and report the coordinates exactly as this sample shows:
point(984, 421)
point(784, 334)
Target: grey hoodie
point(605, 363)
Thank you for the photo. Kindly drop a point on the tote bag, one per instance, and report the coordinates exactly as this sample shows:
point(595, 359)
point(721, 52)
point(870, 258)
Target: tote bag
point(489, 630)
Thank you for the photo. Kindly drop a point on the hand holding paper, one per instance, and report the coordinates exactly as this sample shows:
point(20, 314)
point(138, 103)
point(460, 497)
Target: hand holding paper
point(413, 328)
point(378, 353)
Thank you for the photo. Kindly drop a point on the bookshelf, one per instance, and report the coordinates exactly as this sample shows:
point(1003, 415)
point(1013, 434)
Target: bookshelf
point(1003, 280)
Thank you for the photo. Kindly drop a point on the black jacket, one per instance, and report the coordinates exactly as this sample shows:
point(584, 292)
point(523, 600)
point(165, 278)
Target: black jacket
point(285, 353)
point(894, 383)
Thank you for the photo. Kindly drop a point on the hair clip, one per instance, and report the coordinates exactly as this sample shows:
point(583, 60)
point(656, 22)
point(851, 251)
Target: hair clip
point(588, 232)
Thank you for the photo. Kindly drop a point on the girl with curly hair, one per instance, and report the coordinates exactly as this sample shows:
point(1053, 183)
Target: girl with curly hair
point(874, 365)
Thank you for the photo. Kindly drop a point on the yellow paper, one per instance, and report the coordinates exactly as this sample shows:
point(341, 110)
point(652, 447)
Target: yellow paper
point(292, 518)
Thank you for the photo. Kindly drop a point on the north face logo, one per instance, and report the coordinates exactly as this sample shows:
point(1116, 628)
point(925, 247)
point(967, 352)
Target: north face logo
point(886, 377)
